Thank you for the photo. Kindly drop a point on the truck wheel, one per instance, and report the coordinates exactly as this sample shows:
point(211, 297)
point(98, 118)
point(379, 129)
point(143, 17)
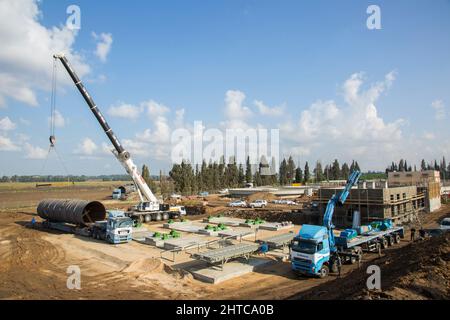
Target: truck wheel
point(165, 216)
point(147, 218)
point(141, 219)
point(158, 217)
point(397, 238)
point(323, 272)
point(334, 267)
point(384, 243)
point(390, 240)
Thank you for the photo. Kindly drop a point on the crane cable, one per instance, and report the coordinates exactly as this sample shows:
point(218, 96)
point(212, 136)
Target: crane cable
point(52, 138)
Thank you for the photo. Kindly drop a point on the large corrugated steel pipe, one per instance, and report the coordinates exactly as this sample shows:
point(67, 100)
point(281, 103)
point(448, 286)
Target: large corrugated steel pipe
point(80, 212)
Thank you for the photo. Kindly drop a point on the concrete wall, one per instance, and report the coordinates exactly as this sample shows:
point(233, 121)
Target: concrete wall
point(413, 177)
point(373, 204)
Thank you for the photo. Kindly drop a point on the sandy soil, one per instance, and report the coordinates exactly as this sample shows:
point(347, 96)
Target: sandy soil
point(34, 263)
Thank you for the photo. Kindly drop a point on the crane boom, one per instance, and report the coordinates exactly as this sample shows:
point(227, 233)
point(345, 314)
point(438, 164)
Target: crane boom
point(338, 199)
point(121, 154)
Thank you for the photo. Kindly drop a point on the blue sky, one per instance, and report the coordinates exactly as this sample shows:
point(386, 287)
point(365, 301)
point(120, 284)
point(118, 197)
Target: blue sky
point(304, 60)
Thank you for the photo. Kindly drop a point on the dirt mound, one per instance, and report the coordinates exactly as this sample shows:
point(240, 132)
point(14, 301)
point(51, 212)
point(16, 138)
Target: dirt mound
point(268, 215)
point(148, 265)
point(152, 267)
point(261, 196)
point(416, 271)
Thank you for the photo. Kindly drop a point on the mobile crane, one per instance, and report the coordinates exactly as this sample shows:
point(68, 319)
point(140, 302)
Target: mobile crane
point(149, 207)
point(317, 251)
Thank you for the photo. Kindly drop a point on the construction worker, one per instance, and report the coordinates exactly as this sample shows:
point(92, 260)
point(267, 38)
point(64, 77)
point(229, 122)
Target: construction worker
point(422, 234)
point(413, 234)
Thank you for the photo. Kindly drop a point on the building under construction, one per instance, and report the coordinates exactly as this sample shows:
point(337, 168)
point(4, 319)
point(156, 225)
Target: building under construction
point(375, 200)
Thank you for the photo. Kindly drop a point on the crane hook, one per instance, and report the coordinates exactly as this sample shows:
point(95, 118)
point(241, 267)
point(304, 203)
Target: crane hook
point(52, 140)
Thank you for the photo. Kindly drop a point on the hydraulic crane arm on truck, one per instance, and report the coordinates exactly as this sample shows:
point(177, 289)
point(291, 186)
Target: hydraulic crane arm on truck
point(316, 251)
point(124, 157)
point(338, 199)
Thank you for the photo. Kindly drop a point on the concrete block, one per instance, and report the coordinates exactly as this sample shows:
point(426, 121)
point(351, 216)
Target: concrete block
point(225, 220)
point(236, 234)
point(230, 270)
point(157, 242)
point(275, 226)
point(183, 243)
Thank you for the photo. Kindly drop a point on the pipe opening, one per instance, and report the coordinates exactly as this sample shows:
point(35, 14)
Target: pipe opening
point(94, 211)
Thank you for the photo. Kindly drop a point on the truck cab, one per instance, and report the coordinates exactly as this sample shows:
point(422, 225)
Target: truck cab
point(310, 251)
point(117, 228)
point(117, 194)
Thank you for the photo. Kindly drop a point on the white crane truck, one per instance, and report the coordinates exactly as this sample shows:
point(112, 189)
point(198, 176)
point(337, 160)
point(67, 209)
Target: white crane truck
point(149, 208)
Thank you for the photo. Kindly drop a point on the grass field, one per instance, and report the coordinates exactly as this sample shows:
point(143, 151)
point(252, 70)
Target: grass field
point(11, 186)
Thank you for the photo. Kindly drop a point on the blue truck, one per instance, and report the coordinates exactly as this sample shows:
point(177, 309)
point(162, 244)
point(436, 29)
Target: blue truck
point(317, 250)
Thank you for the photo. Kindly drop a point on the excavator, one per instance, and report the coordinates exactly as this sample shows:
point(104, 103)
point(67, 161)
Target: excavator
point(149, 208)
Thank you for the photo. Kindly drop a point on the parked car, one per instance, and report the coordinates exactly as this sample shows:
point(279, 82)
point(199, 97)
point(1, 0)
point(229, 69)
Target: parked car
point(238, 203)
point(445, 224)
point(434, 232)
point(258, 204)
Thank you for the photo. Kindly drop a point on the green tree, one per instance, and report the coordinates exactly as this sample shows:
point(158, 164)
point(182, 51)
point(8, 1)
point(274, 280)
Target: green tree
point(290, 170)
point(307, 174)
point(345, 171)
point(283, 173)
point(248, 171)
point(335, 170)
point(318, 172)
point(298, 175)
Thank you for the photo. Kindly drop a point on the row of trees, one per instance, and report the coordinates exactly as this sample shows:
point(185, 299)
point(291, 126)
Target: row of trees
point(289, 173)
point(440, 166)
point(215, 176)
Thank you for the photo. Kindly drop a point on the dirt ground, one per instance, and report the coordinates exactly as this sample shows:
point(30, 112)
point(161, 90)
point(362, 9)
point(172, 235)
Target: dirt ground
point(34, 264)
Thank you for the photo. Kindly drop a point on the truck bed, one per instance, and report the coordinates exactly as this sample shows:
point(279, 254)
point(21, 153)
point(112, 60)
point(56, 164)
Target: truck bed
point(367, 237)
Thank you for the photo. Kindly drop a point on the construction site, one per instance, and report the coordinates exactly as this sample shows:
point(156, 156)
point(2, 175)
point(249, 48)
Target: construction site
point(288, 242)
point(239, 150)
point(223, 252)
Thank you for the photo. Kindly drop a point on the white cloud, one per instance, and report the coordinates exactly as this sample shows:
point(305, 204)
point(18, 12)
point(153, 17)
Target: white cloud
point(179, 118)
point(234, 109)
point(34, 152)
point(26, 52)
point(267, 111)
point(127, 111)
point(137, 148)
point(25, 121)
point(155, 109)
point(439, 109)
point(353, 130)
point(429, 136)
point(236, 113)
point(104, 43)
point(160, 133)
point(87, 147)
point(6, 124)
point(7, 145)
point(59, 119)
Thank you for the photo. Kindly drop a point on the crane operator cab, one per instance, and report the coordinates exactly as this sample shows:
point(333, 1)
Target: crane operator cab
point(310, 251)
